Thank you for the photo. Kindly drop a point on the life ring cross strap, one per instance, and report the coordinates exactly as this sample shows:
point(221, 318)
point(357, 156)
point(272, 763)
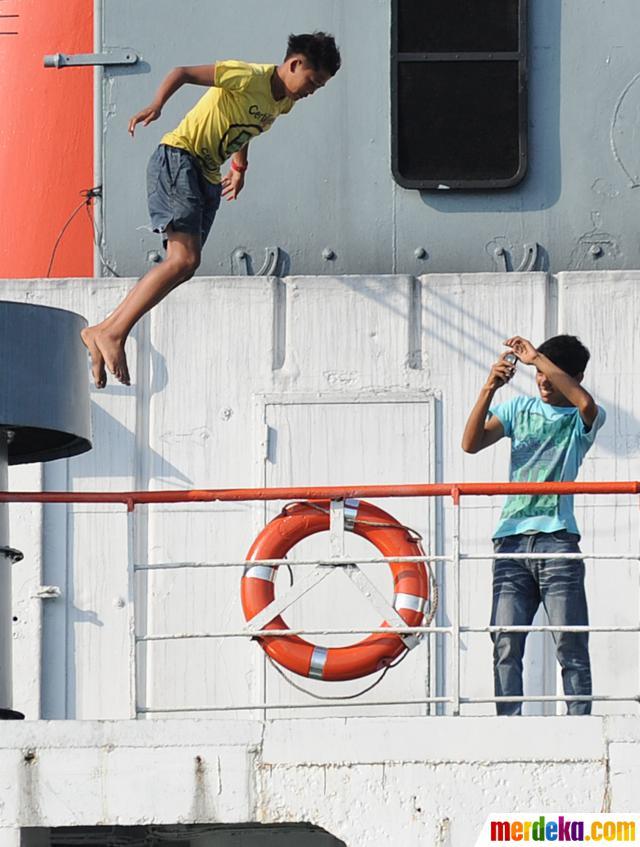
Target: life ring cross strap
point(373, 653)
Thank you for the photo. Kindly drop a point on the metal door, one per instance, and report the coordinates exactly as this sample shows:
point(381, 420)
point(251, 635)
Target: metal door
point(381, 438)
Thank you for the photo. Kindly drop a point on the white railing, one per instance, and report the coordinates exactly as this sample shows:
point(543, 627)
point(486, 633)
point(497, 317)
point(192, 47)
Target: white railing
point(337, 559)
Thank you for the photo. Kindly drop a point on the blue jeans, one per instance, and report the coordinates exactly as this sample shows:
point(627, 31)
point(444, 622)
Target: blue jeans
point(519, 585)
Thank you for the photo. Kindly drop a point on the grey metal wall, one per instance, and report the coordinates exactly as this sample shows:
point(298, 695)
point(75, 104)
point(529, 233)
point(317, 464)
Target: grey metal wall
point(321, 179)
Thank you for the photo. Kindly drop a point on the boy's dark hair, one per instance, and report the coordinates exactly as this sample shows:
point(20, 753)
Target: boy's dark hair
point(318, 48)
point(567, 352)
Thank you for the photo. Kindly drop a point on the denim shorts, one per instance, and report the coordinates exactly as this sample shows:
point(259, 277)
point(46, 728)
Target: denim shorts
point(178, 194)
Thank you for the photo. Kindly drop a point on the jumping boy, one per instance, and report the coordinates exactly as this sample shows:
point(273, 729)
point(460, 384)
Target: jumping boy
point(184, 183)
point(550, 436)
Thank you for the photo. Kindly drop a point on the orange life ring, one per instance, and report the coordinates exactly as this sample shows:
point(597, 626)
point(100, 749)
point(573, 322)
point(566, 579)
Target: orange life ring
point(377, 651)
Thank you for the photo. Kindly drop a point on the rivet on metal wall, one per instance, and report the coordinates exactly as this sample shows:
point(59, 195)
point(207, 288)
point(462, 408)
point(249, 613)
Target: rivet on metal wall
point(420, 253)
point(153, 256)
point(328, 254)
point(596, 251)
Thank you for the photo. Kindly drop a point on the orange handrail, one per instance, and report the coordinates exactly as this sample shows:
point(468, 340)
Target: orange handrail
point(332, 492)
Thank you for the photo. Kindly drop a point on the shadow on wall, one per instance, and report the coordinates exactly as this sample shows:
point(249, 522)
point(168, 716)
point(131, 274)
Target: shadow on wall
point(115, 453)
point(480, 344)
point(196, 835)
point(620, 435)
point(471, 343)
point(117, 449)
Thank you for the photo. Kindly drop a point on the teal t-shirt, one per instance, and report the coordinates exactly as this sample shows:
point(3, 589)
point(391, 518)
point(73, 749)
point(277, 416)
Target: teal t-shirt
point(548, 444)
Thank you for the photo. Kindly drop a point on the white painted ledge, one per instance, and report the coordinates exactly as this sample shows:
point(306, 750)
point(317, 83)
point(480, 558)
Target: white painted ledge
point(434, 740)
point(89, 773)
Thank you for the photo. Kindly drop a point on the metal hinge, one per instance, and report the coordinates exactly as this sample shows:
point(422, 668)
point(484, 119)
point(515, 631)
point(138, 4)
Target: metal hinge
point(269, 444)
point(70, 60)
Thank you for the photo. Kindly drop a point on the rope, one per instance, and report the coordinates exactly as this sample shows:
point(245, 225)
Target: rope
point(434, 594)
point(330, 696)
point(412, 534)
point(85, 202)
point(97, 237)
point(89, 195)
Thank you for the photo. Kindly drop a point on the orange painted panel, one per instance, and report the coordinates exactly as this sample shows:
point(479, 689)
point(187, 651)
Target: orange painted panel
point(46, 138)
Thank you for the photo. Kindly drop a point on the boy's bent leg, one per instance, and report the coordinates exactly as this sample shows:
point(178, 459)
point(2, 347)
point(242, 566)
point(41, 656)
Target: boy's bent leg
point(515, 600)
point(564, 598)
point(105, 341)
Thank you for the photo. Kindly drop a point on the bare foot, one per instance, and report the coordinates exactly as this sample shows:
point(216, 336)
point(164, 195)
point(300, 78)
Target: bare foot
point(111, 350)
point(97, 359)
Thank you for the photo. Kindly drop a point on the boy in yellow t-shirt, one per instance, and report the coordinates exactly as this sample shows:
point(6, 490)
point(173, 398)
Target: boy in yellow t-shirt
point(184, 183)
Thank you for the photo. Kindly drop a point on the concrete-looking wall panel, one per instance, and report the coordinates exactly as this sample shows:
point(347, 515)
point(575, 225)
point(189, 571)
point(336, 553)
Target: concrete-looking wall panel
point(601, 310)
point(465, 320)
point(425, 780)
point(216, 335)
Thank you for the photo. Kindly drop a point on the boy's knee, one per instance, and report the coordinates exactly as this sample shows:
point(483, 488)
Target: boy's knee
point(187, 265)
point(574, 657)
point(191, 265)
point(507, 647)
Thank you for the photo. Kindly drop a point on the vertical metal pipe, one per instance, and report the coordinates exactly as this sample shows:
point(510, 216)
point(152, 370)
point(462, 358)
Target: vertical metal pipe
point(5, 583)
point(98, 128)
point(336, 529)
point(455, 635)
point(132, 609)
point(638, 564)
point(7, 557)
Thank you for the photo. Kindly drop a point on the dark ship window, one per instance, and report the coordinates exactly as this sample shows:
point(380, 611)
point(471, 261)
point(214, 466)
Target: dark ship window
point(458, 93)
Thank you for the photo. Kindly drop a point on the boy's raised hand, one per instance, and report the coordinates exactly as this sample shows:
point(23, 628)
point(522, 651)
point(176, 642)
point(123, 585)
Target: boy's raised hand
point(144, 116)
point(500, 373)
point(524, 350)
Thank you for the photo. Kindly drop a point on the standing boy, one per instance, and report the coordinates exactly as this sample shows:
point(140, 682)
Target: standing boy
point(550, 436)
point(184, 183)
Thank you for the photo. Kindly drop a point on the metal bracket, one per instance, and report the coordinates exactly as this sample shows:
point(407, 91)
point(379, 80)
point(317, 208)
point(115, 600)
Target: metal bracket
point(380, 604)
point(279, 605)
point(12, 554)
point(336, 529)
point(47, 592)
point(529, 260)
point(272, 260)
point(71, 60)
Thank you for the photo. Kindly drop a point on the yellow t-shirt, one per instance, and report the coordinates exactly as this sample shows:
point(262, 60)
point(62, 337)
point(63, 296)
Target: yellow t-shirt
point(238, 107)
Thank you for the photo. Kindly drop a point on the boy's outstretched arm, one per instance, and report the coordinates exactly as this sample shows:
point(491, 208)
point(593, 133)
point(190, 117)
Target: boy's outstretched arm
point(480, 432)
point(175, 79)
point(566, 384)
